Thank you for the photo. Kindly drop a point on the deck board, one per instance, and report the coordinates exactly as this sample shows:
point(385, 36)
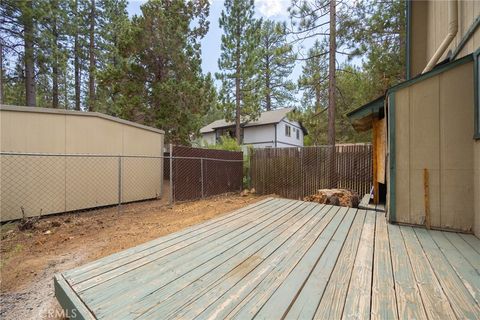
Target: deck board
point(357, 304)
point(282, 258)
point(384, 305)
point(332, 304)
point(435, 302)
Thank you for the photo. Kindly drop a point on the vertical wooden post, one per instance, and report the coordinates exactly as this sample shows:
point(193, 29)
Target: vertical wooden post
point(375, 164)
point(427, 197)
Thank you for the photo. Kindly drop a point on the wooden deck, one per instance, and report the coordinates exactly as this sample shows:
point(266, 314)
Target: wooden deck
point(365, 204)
point(287, 259)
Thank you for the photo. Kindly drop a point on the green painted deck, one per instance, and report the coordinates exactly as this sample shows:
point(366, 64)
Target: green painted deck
point(288, 259)
point(365, 204)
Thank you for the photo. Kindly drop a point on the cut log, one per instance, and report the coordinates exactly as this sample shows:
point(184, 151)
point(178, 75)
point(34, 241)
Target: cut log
point(336, 197)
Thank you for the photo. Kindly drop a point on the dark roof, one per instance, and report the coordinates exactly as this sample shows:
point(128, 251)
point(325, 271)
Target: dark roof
point(361, 118)
point(267, 117)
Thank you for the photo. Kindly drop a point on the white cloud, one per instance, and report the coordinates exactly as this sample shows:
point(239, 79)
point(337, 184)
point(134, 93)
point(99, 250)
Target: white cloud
point(272, 8)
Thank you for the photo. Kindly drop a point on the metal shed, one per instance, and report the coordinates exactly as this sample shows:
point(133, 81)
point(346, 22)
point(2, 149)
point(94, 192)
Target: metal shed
point(55, 160)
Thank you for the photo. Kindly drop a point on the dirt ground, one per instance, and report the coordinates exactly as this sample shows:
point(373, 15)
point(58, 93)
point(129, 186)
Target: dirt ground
point(30, 258)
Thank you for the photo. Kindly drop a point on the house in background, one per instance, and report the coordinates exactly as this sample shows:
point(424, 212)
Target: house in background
point(427, 129)
point(272, 129)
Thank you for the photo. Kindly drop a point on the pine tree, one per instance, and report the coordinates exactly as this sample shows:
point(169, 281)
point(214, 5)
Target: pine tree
point(314, 78)
point(238, 62)
point(158, 80)
point(376, 32)
point(18, 26)
point(276, 62)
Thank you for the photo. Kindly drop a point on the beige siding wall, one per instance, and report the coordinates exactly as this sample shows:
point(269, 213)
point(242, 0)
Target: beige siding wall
point(39, 184)
point(434, 130)
point(430, 26)
point(476, 195)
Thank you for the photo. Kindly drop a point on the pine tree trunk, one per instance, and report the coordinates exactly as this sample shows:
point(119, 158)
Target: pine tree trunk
point(91, 50)
point(331, 93)
point(1, 73)
point(268, 94)
point(29, 55)
point(76, 59)
point(237, 107)
point(237, 89)
point(55, 65)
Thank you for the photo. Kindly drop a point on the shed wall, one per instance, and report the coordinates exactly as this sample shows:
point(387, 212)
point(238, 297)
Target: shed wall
point(434, 130)
point(53, 184)
point(430, 26)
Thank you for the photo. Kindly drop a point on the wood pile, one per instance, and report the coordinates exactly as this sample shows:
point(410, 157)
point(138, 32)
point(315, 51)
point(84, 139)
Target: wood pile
point(336, 197)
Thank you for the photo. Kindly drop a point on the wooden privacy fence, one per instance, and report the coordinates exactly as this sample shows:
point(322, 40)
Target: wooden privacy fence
point(198, 173)
point(297, 172)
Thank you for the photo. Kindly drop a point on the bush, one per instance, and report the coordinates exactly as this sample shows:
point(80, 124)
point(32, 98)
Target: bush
point(230, 144)
point(225, 143)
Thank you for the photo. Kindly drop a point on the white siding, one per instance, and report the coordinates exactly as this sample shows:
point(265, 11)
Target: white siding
point(260, 136)
point(263, 136)
point(208, 138)
point(283, 140)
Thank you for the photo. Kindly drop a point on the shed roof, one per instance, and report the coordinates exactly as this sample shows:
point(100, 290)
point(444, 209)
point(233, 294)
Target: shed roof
point(361, 118)
point(267, 117)
point(78, 113)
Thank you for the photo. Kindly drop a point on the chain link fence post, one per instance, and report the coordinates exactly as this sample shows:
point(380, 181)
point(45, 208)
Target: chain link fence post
point(170, 198)
point(119, 184)
point(201, 176)
point(162, 176)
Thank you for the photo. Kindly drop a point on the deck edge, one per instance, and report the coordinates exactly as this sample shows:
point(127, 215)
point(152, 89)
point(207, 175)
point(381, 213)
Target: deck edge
point(71, 304)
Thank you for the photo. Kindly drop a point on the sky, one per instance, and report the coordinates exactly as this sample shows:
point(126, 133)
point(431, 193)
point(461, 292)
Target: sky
point(268, 9)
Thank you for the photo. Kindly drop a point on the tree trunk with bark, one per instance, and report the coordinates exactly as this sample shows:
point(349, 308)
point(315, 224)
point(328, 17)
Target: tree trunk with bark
point(331, 93)
point(55, 71)
point(237, 92)
point(30, 92)
point(91, 51)
point(237, 108)
point(76, 60)
point(1, 73)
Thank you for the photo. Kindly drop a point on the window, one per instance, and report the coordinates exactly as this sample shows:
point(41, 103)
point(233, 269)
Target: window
point(298, 134)
point(288, 130)
point(477, 93)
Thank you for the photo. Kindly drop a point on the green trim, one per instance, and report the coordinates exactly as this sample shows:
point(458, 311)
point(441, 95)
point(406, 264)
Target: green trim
point(71, 304)
point(392, 159)
point(471, 30)
point(367, 109)
point(407, 45)
point(437, 70)
point(476, 111)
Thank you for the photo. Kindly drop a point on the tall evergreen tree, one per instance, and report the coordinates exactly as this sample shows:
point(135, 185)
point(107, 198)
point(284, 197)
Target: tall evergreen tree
point(158, 80)
point(238, 62)
point(92, 55)
point(314, 78)
point(375, 31)
point(18, 28)
point(276, 62)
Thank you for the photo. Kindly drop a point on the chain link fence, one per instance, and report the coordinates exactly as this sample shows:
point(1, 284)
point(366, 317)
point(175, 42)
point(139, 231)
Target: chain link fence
point(198, 173)
point(41, 184)
point(297, 172)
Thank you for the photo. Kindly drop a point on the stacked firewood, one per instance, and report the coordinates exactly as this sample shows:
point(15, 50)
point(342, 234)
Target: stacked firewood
point(336, 197)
